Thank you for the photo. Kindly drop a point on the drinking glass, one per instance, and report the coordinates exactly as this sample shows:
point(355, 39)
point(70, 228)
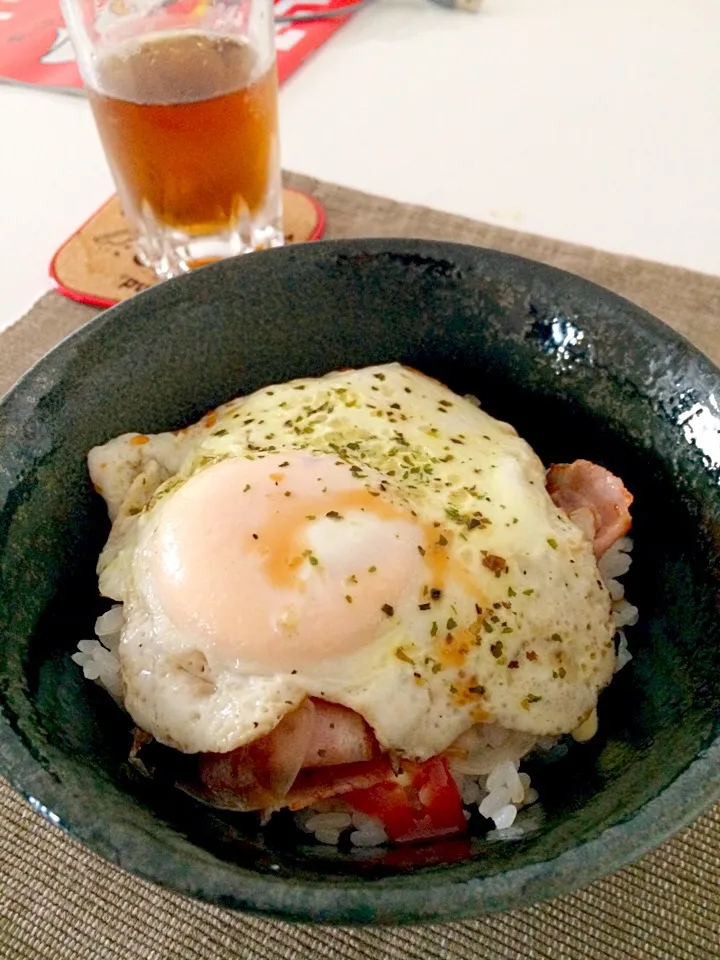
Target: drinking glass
point(184, 96)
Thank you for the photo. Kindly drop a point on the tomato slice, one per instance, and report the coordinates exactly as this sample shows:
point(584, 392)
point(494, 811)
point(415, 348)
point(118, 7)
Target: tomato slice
point(421, 803)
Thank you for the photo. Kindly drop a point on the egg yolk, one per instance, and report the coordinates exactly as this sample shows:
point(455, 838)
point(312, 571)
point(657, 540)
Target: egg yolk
point(285, 560)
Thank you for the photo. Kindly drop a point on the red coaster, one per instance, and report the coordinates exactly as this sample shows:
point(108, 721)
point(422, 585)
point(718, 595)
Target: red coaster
point(97, 264)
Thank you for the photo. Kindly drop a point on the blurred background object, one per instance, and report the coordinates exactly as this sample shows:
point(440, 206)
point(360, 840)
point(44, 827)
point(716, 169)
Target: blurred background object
point(596, 123)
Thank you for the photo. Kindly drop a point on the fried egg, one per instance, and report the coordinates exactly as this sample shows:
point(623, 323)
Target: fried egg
point(369, 538)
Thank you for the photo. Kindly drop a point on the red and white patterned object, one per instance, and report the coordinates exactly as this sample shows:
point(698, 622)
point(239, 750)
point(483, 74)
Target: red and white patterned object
point(35, 47)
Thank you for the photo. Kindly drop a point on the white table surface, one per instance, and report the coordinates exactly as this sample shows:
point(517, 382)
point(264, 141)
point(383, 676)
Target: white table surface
point(593, 121)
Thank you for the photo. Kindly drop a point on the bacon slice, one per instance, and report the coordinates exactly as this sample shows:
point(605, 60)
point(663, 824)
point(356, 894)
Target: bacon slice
point(258, 775)
point(594, 498)
point(339, 736)
point(317, 751)
point(312, 786)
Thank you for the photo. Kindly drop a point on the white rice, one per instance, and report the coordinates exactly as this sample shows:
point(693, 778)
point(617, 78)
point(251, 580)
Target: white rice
point(623, 654)
point(329, 827)
point(613, 564)
point(499, 795)
point(489, 778)
point(98, 658)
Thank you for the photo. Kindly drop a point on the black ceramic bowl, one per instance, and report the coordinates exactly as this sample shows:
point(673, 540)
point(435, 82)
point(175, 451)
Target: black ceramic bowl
point(579, 371)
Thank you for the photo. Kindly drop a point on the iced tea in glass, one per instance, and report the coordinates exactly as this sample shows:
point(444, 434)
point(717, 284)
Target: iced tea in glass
point(185, 100)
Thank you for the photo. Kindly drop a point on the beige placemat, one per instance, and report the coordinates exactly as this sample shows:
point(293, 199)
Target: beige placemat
point(59, 902)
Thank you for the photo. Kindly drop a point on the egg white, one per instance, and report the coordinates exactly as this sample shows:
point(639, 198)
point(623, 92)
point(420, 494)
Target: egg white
point(520, 635)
